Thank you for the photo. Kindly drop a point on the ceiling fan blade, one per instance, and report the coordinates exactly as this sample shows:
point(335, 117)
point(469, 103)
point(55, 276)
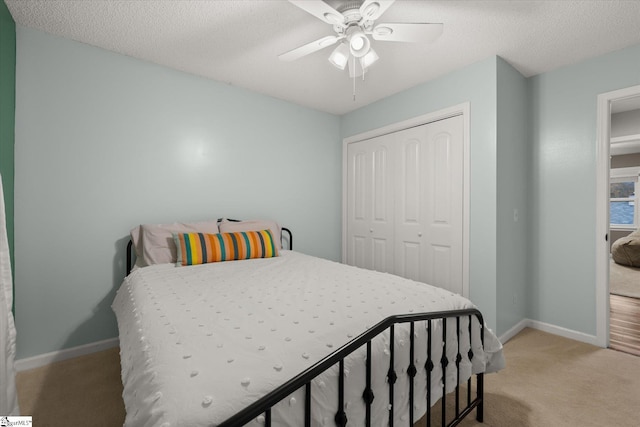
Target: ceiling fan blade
point(414, 32)
point(308, 48)
point(370, 10)
point(320, 10)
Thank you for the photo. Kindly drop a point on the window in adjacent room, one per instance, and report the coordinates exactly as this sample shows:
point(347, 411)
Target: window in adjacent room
point(623, 202)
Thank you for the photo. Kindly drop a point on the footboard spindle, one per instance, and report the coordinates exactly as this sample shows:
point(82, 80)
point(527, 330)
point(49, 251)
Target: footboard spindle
point(444, 362)
point(368, 395)
point(458, 360)
point(429, 367)
point(391, 376)
point(411, 371)
point(307, 405)
point(341, 416)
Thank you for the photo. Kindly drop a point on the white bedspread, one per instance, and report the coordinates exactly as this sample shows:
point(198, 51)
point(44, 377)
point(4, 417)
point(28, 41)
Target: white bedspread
point(200, 343)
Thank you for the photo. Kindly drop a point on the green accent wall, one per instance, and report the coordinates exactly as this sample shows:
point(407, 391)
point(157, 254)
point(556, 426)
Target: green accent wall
point(7, 113)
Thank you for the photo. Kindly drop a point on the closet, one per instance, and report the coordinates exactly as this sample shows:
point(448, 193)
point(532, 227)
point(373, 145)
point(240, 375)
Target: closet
point(404, 203)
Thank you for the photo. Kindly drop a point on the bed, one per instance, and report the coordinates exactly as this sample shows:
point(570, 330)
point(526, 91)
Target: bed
point(294, 340)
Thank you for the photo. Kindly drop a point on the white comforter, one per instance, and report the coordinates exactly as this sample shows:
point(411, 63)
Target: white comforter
point(200, 343)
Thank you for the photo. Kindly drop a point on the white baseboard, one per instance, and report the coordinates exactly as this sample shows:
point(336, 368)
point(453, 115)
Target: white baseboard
point(67, 353)
point(552, 329)
point(564, 332)
point(524, 323)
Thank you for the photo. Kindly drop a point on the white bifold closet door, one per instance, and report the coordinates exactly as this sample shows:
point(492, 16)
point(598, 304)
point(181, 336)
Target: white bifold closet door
point(405, 203)
point(370, 204)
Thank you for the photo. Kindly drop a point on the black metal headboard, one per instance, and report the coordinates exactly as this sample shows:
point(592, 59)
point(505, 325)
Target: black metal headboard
point(130, 246)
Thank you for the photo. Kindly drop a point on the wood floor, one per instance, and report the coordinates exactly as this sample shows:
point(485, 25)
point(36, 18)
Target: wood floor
point(624, 328)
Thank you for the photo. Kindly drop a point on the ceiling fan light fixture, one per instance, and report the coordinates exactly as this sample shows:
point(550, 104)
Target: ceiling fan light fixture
point(340, 56)
point(359, 44)
point(369, 59)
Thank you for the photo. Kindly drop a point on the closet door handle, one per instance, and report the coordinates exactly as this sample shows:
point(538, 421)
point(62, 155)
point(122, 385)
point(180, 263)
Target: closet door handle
point(371, 230)
point(420, 234)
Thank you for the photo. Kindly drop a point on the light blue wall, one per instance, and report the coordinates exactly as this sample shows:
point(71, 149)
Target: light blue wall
point(477, 85)
point(513, 194)
point(105, 142)
point(563, 137)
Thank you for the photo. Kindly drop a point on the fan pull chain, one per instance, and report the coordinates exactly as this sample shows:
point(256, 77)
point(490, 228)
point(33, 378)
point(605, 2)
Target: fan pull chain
point(354, 79)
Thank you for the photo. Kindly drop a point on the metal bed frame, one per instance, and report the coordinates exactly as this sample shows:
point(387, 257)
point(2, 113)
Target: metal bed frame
point(262, 407)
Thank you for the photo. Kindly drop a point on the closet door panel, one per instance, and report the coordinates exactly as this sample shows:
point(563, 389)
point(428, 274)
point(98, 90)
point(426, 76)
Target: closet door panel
point(408, 263)
point(443, 204)
point(410, 175)
point(441, 162)
point(357, 252)
point(380, 192)
point(409, 207)
point(405, 203)
point(357, 206)
point(381, 225)
point(359, 186)
point(370, 204)
point(381, 255)
point(441, 261)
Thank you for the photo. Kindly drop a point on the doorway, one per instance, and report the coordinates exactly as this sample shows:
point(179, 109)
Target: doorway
point(617, 215)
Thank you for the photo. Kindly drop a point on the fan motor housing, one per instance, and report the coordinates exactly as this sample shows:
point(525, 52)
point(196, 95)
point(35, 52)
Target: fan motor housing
point(352, 17)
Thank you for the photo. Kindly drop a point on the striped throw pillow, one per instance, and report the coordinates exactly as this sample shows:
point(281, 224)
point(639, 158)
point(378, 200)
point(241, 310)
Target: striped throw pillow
point(201, 248)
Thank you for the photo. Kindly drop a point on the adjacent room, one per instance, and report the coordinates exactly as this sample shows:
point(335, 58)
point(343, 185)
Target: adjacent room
point(624, 266)
point(320, 212)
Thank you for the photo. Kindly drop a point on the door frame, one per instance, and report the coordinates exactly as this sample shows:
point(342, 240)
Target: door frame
point(603, 164)
point(456, 110)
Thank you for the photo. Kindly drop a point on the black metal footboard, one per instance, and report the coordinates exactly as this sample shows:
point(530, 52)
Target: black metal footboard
point(262, 407)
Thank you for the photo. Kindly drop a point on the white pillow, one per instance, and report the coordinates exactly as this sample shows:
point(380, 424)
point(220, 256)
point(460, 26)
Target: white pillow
point(154, 243)
point(227, 226)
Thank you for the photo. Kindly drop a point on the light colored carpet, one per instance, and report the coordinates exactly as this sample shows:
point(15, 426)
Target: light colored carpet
point(553, 381)
point(84, 391)
point(624, 280)
point(548, 381)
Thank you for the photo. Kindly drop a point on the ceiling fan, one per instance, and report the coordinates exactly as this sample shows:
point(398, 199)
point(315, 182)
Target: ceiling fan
point(353, 23)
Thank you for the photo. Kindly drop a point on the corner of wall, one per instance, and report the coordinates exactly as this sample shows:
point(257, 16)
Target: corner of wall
point(512, 231)
point(7, 116)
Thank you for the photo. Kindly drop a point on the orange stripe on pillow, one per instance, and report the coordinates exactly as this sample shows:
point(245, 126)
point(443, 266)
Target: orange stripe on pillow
point(182, 249)
point(255, 244)
point(208, 247)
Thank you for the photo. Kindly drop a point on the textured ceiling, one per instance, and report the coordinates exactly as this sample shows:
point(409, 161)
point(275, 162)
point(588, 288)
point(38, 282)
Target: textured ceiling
point(237, 42)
